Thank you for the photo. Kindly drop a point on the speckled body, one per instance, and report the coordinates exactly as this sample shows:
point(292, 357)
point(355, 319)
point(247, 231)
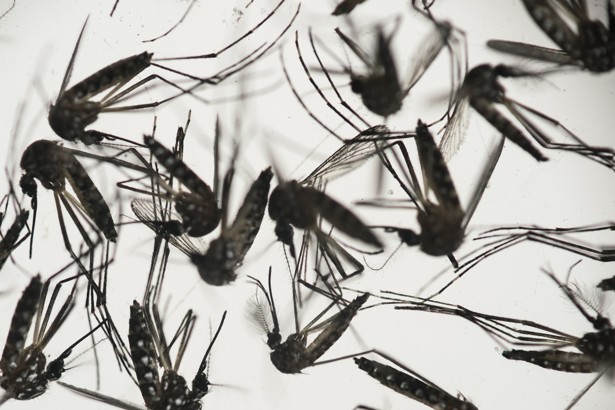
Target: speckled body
point(441, 224)
point(412, 387)
point(74, 111)
point(24, 376)
point(52, 165)
point(199, 208)
point(593, 45)
point(294, 354)
point(11, 236)
point(226, 253)
point(483, 90)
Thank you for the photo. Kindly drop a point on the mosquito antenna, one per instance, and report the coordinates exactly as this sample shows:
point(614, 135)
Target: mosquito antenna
point(204, 361)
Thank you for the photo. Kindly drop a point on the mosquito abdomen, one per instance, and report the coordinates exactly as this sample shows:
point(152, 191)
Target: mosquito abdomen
point(412, 387)
point(555, 359)
point(143, 353)
point(335, 329)
point(20, 324)
point(502, 124)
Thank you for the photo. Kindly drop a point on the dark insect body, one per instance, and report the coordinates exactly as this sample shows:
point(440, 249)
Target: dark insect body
point(217, 264)
point(226, 253)
point(199, 208)
point(443, 224)
point(74, 108)
point(149, 351)
point(607, 284)
point(596, 350)
point(381, 89)
point(301, 204)
point(295, 354)
point(171, 391)
point(25, 371)
point(53, 165)
point(413, 386)
point(10, 240)
point(483, 92)
point(589, 44)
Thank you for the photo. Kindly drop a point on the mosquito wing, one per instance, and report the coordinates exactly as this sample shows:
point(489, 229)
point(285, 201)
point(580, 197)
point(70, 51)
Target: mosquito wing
point(350, 155)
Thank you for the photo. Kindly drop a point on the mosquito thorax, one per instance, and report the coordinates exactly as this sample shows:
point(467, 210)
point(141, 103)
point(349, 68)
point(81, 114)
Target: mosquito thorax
point(216, 267)
point(27, 380)
point(598, 53)
point(200, 215)
point(289, 357)
point(441, 232)
point(379, 94)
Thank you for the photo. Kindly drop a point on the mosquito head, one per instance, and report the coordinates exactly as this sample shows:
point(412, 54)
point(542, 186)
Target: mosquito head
point(28, 185)
point(201, 215)
point(274, 339)
point(409, 237)
point(482, 82)
point(55, 368)
point(602, 323)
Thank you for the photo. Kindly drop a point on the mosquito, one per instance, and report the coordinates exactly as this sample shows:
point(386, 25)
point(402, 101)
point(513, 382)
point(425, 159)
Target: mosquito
point(74, 109)
point(596, 350)
point(381, 89)
point(506, 237)
point(443, 224)
point(583, 42)
point(294, 354)
point(411, 384)
point(25, 372)
point(483, 92)
point(150, 351)
point(301, 203)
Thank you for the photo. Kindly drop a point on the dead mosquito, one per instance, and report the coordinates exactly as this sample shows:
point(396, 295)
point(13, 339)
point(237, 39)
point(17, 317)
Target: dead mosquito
point(596, 349)
point(381, 89)
point(483, 92)
point(411, 384)
point(294, 354)
point(217, 264)
point(443, 224)
point(74, 108)
point(582, 42)
point(25, 371)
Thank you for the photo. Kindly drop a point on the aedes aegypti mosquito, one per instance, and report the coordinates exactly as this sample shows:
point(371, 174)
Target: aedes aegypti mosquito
point(587, 44)
point(218, 264)
point(295, 354)
point(411, 384)
point(381, 89)
point(25, 371)
point(482, 91)
point(596, 350)
point(301, 204)
point(150, 350)
point(74, 108)
point(443, 224)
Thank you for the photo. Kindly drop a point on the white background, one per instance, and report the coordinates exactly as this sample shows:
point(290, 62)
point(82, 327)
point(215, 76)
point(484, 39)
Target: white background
point(37, 39)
